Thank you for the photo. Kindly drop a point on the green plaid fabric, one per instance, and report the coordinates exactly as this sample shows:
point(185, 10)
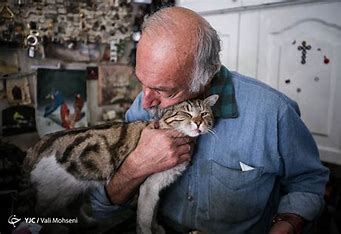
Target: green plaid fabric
point(221, 84)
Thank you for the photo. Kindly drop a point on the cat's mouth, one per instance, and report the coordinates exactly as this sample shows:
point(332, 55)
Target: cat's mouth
point(198, 131)
point(195, 132)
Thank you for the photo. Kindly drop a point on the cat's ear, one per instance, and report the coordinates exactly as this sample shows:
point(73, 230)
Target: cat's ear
point(211, 100)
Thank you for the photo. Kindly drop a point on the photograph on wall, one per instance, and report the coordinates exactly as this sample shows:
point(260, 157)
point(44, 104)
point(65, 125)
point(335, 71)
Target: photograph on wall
point(113, 83)
point(61, 100)
point(18, 92)
point(18, 120)
point(8, 62)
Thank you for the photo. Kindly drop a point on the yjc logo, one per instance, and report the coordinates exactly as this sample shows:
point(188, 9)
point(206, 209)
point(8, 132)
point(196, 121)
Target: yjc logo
point(13, 220)
point(30, 220)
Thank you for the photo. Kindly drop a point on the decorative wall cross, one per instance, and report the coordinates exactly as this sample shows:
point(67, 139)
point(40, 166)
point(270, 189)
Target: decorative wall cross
point(304, 47)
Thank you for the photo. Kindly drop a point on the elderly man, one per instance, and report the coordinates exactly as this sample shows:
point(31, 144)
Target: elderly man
point(261, 171)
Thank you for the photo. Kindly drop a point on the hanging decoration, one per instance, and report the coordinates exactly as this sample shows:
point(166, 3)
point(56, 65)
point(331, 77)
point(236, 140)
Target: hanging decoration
point(60, 21)
point(304, 48)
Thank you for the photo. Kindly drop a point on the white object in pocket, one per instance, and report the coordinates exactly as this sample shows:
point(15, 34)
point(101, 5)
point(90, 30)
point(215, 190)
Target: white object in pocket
point(245, 167)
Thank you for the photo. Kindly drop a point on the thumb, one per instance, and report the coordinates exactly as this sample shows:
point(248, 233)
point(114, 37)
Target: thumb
point(154, 125)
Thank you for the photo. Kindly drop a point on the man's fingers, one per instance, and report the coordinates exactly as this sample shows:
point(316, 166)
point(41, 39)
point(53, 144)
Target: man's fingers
point(175, 133)
point(182, 140)
point(185, 157)
point(184, 149)
point(154, 125)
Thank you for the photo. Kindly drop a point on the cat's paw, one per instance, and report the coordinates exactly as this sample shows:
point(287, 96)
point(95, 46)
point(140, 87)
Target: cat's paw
point(158, 229)
point(143, 230)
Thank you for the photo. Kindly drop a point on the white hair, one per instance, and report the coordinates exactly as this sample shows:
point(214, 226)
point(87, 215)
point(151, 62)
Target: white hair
point(206, 59)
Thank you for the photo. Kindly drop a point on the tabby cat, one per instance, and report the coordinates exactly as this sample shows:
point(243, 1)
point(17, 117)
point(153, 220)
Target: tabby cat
point(63, 166)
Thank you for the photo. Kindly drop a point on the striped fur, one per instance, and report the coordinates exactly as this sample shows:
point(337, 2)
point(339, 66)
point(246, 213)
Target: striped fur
point(93, 153)
point(88, 155)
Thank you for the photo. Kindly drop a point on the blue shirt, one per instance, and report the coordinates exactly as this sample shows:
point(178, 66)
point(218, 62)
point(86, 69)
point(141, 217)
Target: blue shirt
point(282, 174)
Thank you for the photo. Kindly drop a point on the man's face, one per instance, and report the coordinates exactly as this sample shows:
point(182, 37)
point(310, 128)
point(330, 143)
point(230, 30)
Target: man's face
point(163, 74)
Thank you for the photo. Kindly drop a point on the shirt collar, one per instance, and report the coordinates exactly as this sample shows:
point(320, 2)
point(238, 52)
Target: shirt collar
point(226, 106)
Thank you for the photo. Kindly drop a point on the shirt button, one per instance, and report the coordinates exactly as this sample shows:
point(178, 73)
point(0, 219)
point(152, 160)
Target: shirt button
point(189, 198)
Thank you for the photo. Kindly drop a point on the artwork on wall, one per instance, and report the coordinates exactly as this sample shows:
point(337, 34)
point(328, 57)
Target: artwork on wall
point(61, 100)
point(113, 83)
point(117, 87)
point(18, 92)
point(18, 120)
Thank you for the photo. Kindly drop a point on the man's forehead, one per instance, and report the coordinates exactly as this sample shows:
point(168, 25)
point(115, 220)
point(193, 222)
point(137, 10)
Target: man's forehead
point(162, 67)
point(161, 76)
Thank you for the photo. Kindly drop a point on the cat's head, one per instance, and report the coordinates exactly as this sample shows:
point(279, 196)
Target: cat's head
point(192, 117)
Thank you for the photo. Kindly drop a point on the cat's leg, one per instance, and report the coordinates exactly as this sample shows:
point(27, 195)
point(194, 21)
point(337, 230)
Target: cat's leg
point(157, 228)
point(147, 201)
point(149, 198)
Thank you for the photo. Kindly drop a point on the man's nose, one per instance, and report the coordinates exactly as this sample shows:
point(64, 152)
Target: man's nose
point(150, 99)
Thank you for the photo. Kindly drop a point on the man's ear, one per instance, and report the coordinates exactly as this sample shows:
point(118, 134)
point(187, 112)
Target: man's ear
point(211, 100)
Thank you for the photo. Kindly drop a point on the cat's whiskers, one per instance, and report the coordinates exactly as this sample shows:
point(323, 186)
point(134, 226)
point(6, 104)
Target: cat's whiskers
point(211, 131)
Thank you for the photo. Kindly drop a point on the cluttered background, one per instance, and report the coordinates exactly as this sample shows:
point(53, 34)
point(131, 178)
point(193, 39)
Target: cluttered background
point(63, 64)
point(66, 64)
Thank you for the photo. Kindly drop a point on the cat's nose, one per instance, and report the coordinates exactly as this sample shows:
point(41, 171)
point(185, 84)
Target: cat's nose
point(197, 123)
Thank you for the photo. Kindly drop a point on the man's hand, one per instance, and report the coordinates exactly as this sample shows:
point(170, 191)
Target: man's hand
point(282, 228)
point(287, 223)
point(157, 150)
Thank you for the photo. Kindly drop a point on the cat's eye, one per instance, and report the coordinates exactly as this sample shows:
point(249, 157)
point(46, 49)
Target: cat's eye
point(186, 114)
point(204, 114)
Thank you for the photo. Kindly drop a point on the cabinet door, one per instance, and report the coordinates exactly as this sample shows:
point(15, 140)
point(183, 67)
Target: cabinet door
point(226, 25)
point(300, 55)
point(204, 5)
point(227, 28)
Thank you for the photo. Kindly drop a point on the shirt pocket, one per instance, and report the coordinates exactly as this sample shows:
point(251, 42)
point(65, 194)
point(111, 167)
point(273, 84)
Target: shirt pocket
point(235, 195)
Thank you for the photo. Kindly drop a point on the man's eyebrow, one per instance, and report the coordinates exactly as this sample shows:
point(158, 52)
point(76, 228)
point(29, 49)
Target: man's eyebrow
point(160, 88)
point(164, 89)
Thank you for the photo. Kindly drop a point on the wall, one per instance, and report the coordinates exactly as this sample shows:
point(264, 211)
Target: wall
point(65, 24)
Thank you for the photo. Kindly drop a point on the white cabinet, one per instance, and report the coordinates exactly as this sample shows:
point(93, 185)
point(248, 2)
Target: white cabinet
point(228, 33)
point(204, 5)
point(201, 6)
point(294, 46)
point(300, 54)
